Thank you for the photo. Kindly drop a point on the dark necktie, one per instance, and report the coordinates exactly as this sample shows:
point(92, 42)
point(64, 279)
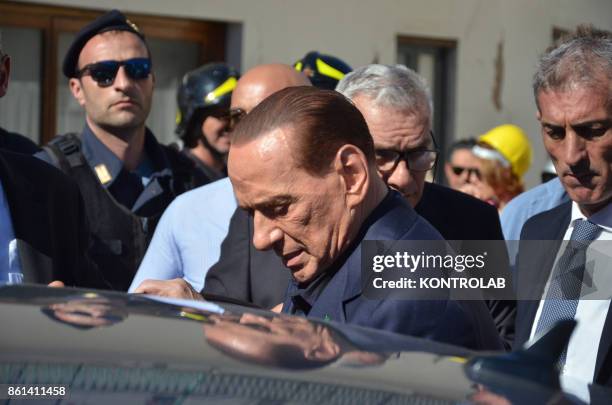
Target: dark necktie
point(566, 282)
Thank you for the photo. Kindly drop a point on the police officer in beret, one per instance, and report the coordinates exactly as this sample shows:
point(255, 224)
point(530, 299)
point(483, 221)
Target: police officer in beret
point(126, 177)
point(203, 117)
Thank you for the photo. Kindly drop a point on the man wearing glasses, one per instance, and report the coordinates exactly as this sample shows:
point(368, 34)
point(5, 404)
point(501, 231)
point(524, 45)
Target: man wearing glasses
point(396, 105)
point(127, 179)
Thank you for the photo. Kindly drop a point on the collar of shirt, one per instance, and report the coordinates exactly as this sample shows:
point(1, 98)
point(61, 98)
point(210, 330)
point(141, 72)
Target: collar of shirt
point(304, 297)
point(96, 154)
point(603, 217)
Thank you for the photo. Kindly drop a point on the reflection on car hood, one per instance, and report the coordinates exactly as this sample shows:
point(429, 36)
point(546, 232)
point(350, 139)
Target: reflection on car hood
point(129, 347)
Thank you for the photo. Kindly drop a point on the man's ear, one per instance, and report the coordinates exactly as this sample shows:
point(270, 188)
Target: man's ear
point(76, 88)
point(448, 170)
point(352, 167)
point(538, 115)
point(5, 73)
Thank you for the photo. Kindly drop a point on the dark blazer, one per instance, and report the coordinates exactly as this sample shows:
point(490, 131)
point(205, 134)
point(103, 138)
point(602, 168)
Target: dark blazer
point(48, 220)
point(461, 217)
point(550, 226)
point(17, 143)
point(466, 324)
point(245, 273)
point(458, 216)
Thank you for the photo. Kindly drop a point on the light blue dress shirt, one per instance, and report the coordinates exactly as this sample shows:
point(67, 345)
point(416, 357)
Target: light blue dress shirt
point(9, 257)
point(539, 199)
point(187, 240)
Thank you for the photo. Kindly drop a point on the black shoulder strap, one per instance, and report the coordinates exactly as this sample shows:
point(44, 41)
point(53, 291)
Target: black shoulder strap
point(65, 151)
point(182, 170)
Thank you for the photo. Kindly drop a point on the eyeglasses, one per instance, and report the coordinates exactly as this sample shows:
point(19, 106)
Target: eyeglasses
point(419, 160)
point(458, 171)
point(220, 113)
point(104, 72)
point(234, 116)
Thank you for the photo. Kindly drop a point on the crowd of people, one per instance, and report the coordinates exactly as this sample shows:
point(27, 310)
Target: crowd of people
point(284, 171)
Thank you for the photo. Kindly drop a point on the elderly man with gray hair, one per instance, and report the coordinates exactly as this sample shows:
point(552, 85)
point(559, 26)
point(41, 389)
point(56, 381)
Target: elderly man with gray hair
point(397, 107)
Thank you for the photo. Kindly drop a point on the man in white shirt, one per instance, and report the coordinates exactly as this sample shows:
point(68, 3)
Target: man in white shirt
point(573, 90)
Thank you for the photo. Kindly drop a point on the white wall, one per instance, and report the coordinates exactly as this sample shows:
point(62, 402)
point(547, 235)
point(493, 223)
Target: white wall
point(360, 31)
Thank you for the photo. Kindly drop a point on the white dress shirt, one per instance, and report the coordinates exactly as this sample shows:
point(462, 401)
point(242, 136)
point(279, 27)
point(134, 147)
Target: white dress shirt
point(591, 313)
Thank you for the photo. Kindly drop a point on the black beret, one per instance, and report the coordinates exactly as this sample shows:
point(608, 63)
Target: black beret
point(112, 21)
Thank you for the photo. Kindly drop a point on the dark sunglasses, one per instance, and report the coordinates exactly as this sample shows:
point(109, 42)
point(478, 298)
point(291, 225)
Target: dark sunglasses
point(104, 72)
point(458, 170)
point(233, 117)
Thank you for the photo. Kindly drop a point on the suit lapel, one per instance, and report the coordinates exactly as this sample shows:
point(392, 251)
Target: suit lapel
point(26, 204)
point(330, 304)
point(35, 266)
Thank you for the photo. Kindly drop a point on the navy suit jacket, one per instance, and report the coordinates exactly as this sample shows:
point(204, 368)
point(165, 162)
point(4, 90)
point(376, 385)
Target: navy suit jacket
point(17, 143)
point(458, 216)
point(551, 226)
point(466, 324)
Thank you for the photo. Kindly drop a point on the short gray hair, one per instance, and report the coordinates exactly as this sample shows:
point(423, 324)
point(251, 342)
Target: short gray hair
point(390, 86)
point(582, 58)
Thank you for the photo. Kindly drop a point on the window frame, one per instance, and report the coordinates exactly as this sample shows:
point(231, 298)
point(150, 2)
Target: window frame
point(55, 20)
point(445, 90)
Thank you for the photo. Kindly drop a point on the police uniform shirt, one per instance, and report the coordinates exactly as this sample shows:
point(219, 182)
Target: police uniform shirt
point(137, 190)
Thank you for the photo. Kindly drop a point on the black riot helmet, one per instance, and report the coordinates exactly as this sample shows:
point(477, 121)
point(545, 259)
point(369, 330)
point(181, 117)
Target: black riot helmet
point(324, 71)
point(204, 91)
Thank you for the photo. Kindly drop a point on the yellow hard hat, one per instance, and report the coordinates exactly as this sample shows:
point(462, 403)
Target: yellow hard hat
point(513, 144)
